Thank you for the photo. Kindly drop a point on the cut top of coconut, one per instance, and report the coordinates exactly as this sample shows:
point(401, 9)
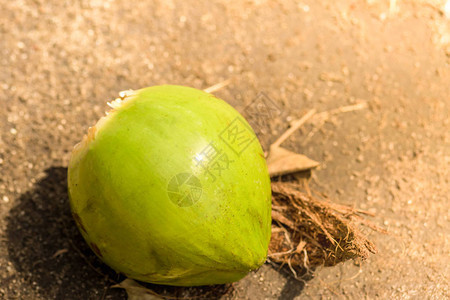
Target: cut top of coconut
point(124, 96)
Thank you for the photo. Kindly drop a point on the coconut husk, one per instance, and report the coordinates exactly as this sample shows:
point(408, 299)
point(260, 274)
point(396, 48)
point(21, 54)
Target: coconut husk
point(308, 232)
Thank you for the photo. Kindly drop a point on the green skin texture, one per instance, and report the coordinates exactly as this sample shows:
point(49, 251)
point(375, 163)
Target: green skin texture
point(118, 191)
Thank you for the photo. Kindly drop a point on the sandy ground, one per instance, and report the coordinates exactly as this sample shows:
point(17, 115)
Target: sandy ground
point(62, 60)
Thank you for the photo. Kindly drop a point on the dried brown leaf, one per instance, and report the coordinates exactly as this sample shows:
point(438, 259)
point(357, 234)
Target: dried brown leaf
point(135, 291)
point(282, 161)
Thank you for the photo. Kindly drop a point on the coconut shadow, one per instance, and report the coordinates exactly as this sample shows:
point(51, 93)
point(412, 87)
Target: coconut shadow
point(50, 255)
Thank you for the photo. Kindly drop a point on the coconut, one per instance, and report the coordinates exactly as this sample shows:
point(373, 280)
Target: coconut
point(171, 187)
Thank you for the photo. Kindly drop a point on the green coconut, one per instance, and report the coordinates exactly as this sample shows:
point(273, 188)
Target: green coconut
point(171, 187)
